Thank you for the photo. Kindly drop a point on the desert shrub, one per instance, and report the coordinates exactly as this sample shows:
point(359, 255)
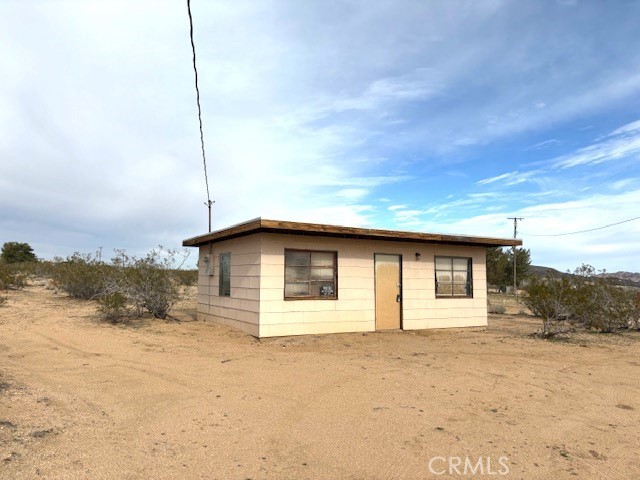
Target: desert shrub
point(551, 300)
point(81, 275)
point(148, 284)
point(3, 300)
point(13, 275)
point(584, 298)
point(496, 308)
point(186, 278)
point(153, 285)
point(113, 307)
point(599, 304)
point(634, 322)
point(127, 287)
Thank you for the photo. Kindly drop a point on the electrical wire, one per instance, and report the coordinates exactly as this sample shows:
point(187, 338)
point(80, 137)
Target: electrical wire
point(583, 231)
point(195, 72)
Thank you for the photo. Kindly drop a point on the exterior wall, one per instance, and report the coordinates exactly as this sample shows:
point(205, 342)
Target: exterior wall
point(241, 309)
point(354, 310)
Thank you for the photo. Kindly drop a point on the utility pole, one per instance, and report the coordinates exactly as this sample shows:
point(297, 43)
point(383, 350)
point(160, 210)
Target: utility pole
point(515, 235)
point(208, 204)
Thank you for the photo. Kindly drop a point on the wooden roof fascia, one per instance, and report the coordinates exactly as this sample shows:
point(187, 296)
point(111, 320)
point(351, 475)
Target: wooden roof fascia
point(295, 228)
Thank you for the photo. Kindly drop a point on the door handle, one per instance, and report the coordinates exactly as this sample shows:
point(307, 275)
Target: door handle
point(398, 298)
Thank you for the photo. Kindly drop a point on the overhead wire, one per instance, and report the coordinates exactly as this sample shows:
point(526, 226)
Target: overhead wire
point(582, 231)
point(195, 72)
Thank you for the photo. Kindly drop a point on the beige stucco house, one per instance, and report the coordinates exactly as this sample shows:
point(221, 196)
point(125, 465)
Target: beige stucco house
point(272, 278)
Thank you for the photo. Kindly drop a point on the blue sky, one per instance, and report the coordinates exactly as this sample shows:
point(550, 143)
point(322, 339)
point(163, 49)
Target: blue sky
point(414, 115)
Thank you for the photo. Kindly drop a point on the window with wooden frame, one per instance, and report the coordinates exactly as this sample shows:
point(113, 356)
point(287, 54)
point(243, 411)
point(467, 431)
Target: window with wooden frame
point(310, 274)
point(224, 280)
point(454, 277)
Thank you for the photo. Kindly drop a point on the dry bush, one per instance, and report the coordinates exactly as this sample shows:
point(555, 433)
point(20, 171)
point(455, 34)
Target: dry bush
point(584, 298)
point(3, 300)
point(80, 275)
point(186, 278)
point(549, 299)
point(14, 275)
point(496, 308)
point(127, 287)
point(147, 284)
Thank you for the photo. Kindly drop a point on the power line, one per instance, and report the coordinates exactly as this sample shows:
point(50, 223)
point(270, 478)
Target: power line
point(195, 72)
point(583, 231)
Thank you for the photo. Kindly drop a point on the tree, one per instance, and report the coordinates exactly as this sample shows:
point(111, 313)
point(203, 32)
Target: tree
point(497, 266)
point(500, 265)
point(523, 262)
point(16, 252)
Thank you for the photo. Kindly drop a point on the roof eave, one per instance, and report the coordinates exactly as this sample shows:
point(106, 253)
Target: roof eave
point(294, 228)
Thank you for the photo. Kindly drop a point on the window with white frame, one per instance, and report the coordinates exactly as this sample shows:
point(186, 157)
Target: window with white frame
point(453, 277)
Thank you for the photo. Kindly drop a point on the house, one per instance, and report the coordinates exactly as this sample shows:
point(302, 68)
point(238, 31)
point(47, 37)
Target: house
point(272, 278)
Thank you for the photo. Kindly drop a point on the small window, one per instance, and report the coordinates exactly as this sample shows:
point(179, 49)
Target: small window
point(224, 286)
point(453, 277)
point(310, 274)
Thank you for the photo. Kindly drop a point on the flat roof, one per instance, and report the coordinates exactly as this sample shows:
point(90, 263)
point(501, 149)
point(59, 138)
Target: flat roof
point(261, 225)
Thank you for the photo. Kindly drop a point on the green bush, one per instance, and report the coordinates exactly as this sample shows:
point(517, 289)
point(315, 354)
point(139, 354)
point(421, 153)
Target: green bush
point(113, 307)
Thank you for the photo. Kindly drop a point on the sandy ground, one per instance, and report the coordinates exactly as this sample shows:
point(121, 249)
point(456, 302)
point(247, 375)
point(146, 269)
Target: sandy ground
point(188, 399)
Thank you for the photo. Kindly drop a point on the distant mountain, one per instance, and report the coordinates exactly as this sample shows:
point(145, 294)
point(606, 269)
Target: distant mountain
point(624, 278)
point(628, 279)
point(546, 271)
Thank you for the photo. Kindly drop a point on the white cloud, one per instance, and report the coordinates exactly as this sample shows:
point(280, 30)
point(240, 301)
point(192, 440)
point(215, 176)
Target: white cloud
point(511, 178)
point(611, 248)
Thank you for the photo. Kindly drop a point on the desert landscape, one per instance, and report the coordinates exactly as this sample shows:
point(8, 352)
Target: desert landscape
point(180, 398)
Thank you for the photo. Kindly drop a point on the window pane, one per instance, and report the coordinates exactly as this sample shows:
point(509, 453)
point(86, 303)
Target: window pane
point(296, 289)
point(296, 274)
point(460, 263)
point(224, 284)
point(443, 277)
point(324, 274)
point(292, 258)
point(460, 277)
point(322, 289)
point(443, 289)
point(324, 259)
point(460, 289)
point(443, 263)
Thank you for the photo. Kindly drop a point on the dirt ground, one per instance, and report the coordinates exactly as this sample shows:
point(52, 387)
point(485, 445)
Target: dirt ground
point(83, 399)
